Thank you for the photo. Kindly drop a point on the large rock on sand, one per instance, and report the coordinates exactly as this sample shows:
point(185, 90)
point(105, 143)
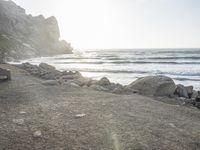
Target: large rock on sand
point(154, 86)
point(46, 67)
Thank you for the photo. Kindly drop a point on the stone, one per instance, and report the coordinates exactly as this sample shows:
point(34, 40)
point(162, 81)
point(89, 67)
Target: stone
point(5, 74)
point(50, 82)
point(118, 90)
point(103, 82)
point(181, 91)
point(37, 134)
point(154, 86)
point(74, 85)
point(53, 75)
point(197, 99)
point(46, 67)
point(189, 90)
point(99, 88)
point(22, 112)
point(18, 121)
point(194, 94)
point(80, 115)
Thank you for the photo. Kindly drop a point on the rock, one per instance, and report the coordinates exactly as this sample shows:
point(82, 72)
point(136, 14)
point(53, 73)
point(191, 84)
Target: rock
point(25, 36)
point(194, 94)
point(50, 82)
point(37, 134)
point(99, 88)
point(197, 99)
point(80, 115)
point(189, 90)
point(46, 67)
point(74, 85)
point(172, 125)
point(181, 91)
point(103, 82)
point(154, 86)
point(18, 121)
point(53, 75)
point(118, 90)
point(22, 112)
point(5, 74)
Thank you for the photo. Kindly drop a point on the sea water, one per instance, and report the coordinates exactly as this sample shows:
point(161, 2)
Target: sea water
point(126, 65)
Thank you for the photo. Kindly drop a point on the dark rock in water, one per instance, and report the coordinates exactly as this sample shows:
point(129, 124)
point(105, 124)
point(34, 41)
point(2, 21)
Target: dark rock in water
point(181, 91)
point(154, 86)
point(23, 36)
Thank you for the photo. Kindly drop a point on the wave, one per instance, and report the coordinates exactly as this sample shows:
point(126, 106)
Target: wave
point(185, 79)
point(126, 62)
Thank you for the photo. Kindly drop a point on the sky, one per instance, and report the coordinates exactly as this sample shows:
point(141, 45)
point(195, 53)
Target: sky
point(98, 24)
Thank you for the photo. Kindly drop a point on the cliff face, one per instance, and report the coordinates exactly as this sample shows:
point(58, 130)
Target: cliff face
point(24, 36)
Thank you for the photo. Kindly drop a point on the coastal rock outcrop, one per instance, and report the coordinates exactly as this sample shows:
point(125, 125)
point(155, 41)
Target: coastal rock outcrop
point(154, 86)
point(24, 36)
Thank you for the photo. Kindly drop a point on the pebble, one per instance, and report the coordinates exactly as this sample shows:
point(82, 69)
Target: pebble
point(80, 115)
point(22, 112)
point(172, 125)
point(18, 121)
point(37, 134)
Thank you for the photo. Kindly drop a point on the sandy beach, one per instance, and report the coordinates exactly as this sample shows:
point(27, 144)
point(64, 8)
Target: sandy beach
point(36, 116)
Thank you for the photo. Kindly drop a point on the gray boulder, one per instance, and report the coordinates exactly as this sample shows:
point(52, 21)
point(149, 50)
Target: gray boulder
point(154, 86)
point(103, 82)
point(181, 91)
point(46, 67)
point(189, 90)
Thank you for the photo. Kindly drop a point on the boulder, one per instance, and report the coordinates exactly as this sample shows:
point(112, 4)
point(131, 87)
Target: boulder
point(74, 85)
point(194, 94)
point(46, 67)
point(99, 88)
point(189, 90)
point(154, 86)
point(197, 99)
point(181, 91)
point(55, 74)
point(103, 82)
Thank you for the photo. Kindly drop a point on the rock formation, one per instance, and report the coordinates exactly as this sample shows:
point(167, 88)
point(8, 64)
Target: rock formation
point(154, 86)
point(23, 36)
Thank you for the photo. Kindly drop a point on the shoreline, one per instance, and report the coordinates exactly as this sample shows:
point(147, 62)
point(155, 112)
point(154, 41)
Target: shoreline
point(181, 93)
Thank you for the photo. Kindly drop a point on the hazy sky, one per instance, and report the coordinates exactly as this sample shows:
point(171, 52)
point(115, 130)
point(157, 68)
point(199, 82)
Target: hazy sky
point(123, 23)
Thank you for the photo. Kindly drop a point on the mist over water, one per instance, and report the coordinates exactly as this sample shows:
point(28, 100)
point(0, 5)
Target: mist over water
point(125, 66)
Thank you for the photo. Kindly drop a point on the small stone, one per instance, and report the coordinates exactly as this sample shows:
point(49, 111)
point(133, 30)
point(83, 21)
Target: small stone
point(18, 121)
point(22, 112)
point(80, 115)
point(37, 134)
point(74, 85)
point(172, 125)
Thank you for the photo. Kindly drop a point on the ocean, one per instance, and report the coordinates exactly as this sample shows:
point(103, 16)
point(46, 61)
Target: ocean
point(126, 65)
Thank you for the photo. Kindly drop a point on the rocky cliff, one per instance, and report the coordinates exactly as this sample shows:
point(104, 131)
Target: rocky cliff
point(23, 36)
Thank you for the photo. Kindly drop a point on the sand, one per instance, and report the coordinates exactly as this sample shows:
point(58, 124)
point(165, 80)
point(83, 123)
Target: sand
point(38, 117)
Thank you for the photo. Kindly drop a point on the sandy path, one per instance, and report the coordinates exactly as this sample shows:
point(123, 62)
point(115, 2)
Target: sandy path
point(112, 122)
